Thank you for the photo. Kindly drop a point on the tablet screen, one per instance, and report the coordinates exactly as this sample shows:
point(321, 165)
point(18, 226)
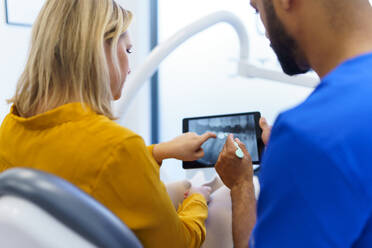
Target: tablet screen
point(242, 126)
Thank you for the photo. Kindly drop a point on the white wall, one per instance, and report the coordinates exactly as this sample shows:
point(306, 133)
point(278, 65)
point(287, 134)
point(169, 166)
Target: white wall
point(13, 49)
point(14, 42)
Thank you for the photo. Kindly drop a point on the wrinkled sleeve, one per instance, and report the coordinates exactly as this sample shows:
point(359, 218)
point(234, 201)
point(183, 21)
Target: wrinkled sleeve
point(130, 186)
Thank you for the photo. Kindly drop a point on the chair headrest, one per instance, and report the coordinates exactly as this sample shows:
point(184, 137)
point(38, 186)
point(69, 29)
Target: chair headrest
point(69, 205)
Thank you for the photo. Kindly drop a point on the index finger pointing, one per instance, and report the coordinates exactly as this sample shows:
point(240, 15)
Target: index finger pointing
point(207, 136)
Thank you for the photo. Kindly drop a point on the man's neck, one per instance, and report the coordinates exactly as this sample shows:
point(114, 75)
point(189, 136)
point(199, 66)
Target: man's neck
point(337, 47)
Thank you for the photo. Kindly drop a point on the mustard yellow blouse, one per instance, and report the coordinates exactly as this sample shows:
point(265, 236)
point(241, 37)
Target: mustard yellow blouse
point(109, 162)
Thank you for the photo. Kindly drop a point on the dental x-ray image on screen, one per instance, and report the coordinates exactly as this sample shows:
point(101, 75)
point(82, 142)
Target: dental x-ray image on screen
point(241, 126)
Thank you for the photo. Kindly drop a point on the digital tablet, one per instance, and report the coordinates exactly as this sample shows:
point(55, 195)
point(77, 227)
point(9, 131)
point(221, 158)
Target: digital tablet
point(244, 126)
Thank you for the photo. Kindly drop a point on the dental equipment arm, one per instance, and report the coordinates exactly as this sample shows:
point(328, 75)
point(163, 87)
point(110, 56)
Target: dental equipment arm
point(246, 69)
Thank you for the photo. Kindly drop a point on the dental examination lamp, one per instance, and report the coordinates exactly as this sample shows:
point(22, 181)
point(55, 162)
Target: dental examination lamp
point(245, 68)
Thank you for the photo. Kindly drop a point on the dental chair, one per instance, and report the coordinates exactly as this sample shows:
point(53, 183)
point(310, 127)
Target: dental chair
point(41, 210)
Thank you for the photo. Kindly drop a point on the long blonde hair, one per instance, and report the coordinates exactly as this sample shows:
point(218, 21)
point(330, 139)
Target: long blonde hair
point(67, 60)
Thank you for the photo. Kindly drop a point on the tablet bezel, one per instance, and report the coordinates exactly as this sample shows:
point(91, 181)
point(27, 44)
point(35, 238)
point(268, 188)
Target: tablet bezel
point(260, 144)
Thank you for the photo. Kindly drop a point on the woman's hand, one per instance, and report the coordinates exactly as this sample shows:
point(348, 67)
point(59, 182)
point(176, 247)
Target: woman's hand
point(266, 130)
point(186, 147)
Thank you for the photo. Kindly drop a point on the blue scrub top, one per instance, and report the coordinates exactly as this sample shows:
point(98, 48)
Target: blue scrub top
point(316, 176)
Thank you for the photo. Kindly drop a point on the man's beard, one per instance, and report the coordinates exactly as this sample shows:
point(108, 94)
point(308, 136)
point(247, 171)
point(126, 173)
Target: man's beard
point(283, 44)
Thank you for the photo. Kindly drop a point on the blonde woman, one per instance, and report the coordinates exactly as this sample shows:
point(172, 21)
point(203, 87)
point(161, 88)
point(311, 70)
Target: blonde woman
point(61, 122)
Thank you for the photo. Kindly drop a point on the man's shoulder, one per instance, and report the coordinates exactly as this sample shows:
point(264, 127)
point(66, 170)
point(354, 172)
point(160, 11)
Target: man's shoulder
point(335, 110)
point(336, 124)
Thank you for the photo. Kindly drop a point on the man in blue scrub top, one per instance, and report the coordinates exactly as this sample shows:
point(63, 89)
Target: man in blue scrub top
point(316, 176)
